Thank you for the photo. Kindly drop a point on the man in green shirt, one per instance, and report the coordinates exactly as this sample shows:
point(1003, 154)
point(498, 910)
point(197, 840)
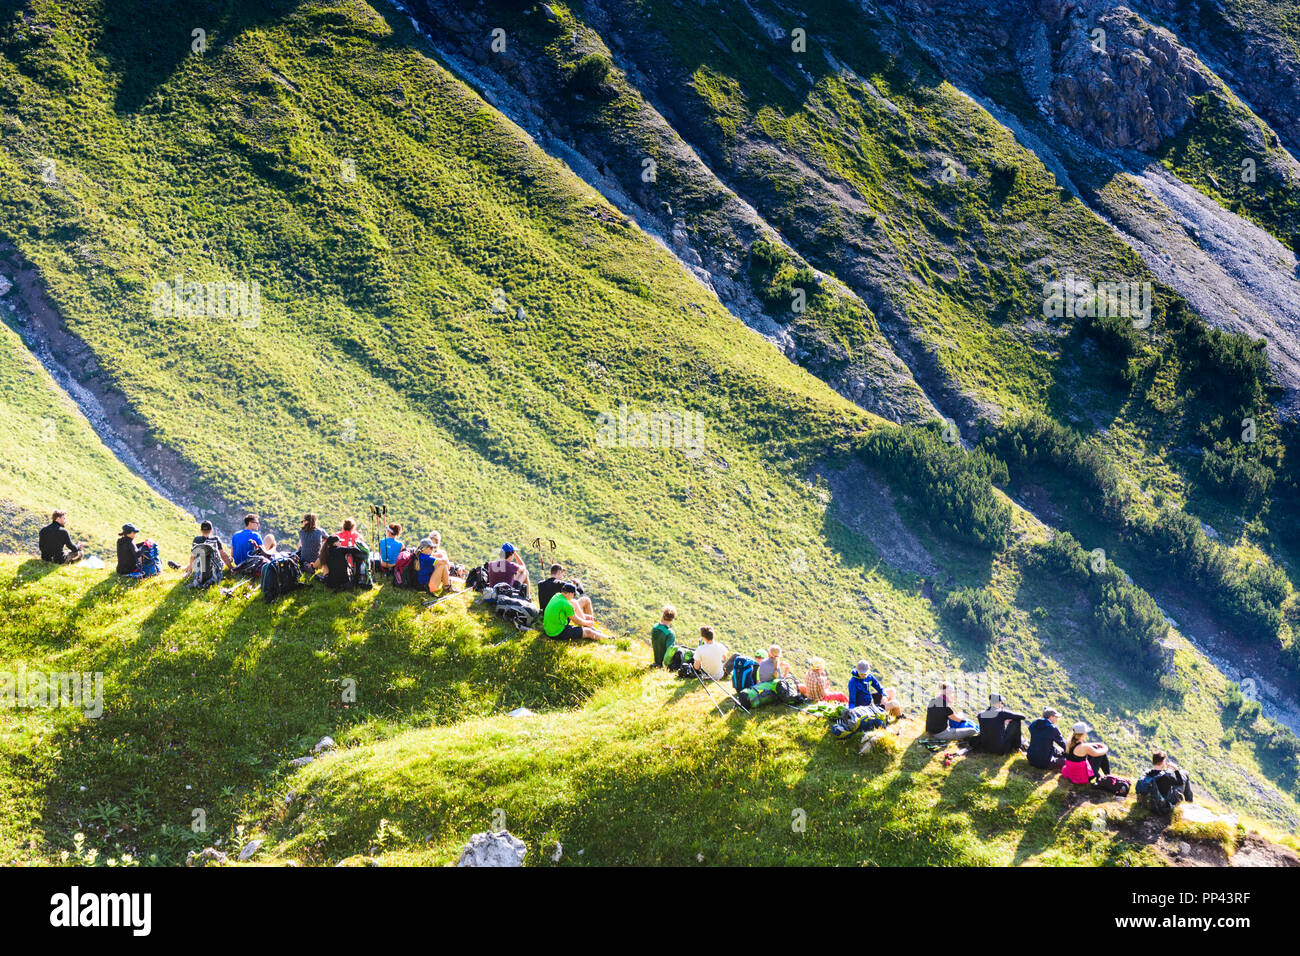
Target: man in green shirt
point(662, 636)
point(560, 611)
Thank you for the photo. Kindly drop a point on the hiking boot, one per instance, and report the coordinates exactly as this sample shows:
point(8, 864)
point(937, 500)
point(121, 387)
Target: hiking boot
point(173, 565)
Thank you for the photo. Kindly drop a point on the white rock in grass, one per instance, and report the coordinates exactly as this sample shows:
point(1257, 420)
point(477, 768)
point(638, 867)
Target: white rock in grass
point(493, 849)
point(325, 743)
point(521, 712)
point(209, 855)
point(251, 847)
point(301, 761)
point(557, 852)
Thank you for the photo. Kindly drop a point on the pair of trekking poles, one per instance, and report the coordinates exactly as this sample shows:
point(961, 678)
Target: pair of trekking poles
point(733, 698)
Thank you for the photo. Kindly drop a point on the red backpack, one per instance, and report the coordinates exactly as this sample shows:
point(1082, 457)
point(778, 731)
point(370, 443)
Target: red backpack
point(406, 570)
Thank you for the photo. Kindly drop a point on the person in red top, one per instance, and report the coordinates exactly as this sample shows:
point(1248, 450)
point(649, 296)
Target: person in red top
point(349, 535)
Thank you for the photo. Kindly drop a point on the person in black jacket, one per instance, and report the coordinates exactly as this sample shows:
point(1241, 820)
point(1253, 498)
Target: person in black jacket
point(128, 552)
point(1046, 745)
point(55, 542)
point(999, 728)
point(1166, 784)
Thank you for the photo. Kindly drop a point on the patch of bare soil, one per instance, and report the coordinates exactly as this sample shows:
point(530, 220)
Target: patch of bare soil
point(1176, 850)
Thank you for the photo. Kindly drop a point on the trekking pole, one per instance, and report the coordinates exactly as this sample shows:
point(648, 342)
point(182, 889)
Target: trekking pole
point(730, 696)
point(706, 691)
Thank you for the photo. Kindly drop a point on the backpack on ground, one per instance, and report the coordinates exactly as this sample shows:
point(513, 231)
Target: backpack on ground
point(863, 717)
point(1113, 784)
point(251, 566)
point(147, 565)
point(744, 672)
point(280, 576)
point(756, 695)
point(787, 692)
point(477, 578)
point(676, 656)
point(346, 568)
point(1162, 799)
point(521, 614)
point(406, 569)
point(205, 562)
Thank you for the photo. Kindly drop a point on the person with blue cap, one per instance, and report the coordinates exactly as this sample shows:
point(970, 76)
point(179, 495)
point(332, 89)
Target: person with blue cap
point(509, 568)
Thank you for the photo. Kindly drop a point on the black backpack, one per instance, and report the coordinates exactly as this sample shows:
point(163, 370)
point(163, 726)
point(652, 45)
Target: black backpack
point(477, 578)
point(280, 576)
point(787, 691)
point(346, 568)
point(1164, 799)
point(207, 566)
point(519, 613)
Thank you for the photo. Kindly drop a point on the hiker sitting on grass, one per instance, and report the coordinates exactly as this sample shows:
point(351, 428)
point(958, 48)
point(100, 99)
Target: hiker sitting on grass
point(1084, 758)
point(434, 574)
point(311, 538)
point(128, 552)
point(348, 534)
point(508, 568)
point(816, 683)
point(772, 667)
point(1165, 785)
point(55, 542)
point(562, 621)
point(999, 728)
point(709, 655)
point(207, 536)
point(243, 542)
point(864, 688)
point(943, 721)
point(550, 587)
point(1046, 745)
point(662, 635)
point(390, 547)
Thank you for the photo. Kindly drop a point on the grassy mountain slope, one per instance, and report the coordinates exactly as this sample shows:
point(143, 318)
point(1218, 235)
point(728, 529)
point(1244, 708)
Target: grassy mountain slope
point(51, 458)
point(208, 699)
point(441, 332)
point(884, 175)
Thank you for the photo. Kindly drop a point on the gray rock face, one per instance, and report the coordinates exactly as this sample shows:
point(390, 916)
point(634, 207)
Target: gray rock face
point(493, 849)
point(1094, 66)
point(210, 855)
point(1119, 82)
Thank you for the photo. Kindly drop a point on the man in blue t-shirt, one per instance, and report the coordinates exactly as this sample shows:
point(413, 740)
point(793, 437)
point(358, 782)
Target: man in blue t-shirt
point(243, 542)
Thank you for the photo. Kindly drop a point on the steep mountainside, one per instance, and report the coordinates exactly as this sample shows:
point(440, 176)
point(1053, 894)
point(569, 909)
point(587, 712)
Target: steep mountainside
point(689, 295)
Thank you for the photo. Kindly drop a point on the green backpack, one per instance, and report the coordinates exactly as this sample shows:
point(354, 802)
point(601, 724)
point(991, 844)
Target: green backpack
point(676, 656)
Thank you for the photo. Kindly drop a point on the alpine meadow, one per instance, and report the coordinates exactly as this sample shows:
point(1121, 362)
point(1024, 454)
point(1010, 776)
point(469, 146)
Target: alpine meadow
point(906, 390)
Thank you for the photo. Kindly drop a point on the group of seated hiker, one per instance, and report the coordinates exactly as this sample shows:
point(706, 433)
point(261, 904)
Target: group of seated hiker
point(566, 611)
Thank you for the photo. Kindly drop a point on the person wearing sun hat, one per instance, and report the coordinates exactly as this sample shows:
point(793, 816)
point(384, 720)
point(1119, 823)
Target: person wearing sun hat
point(128, 552)
point(1046, 745)
point(865, 688)
point(1084, 758)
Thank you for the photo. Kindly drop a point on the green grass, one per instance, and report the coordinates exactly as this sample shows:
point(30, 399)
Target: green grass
point(51, 458)
point(386, 365)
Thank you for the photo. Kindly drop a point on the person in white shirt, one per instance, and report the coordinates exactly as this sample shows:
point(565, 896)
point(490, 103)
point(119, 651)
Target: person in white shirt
point(710, 654)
